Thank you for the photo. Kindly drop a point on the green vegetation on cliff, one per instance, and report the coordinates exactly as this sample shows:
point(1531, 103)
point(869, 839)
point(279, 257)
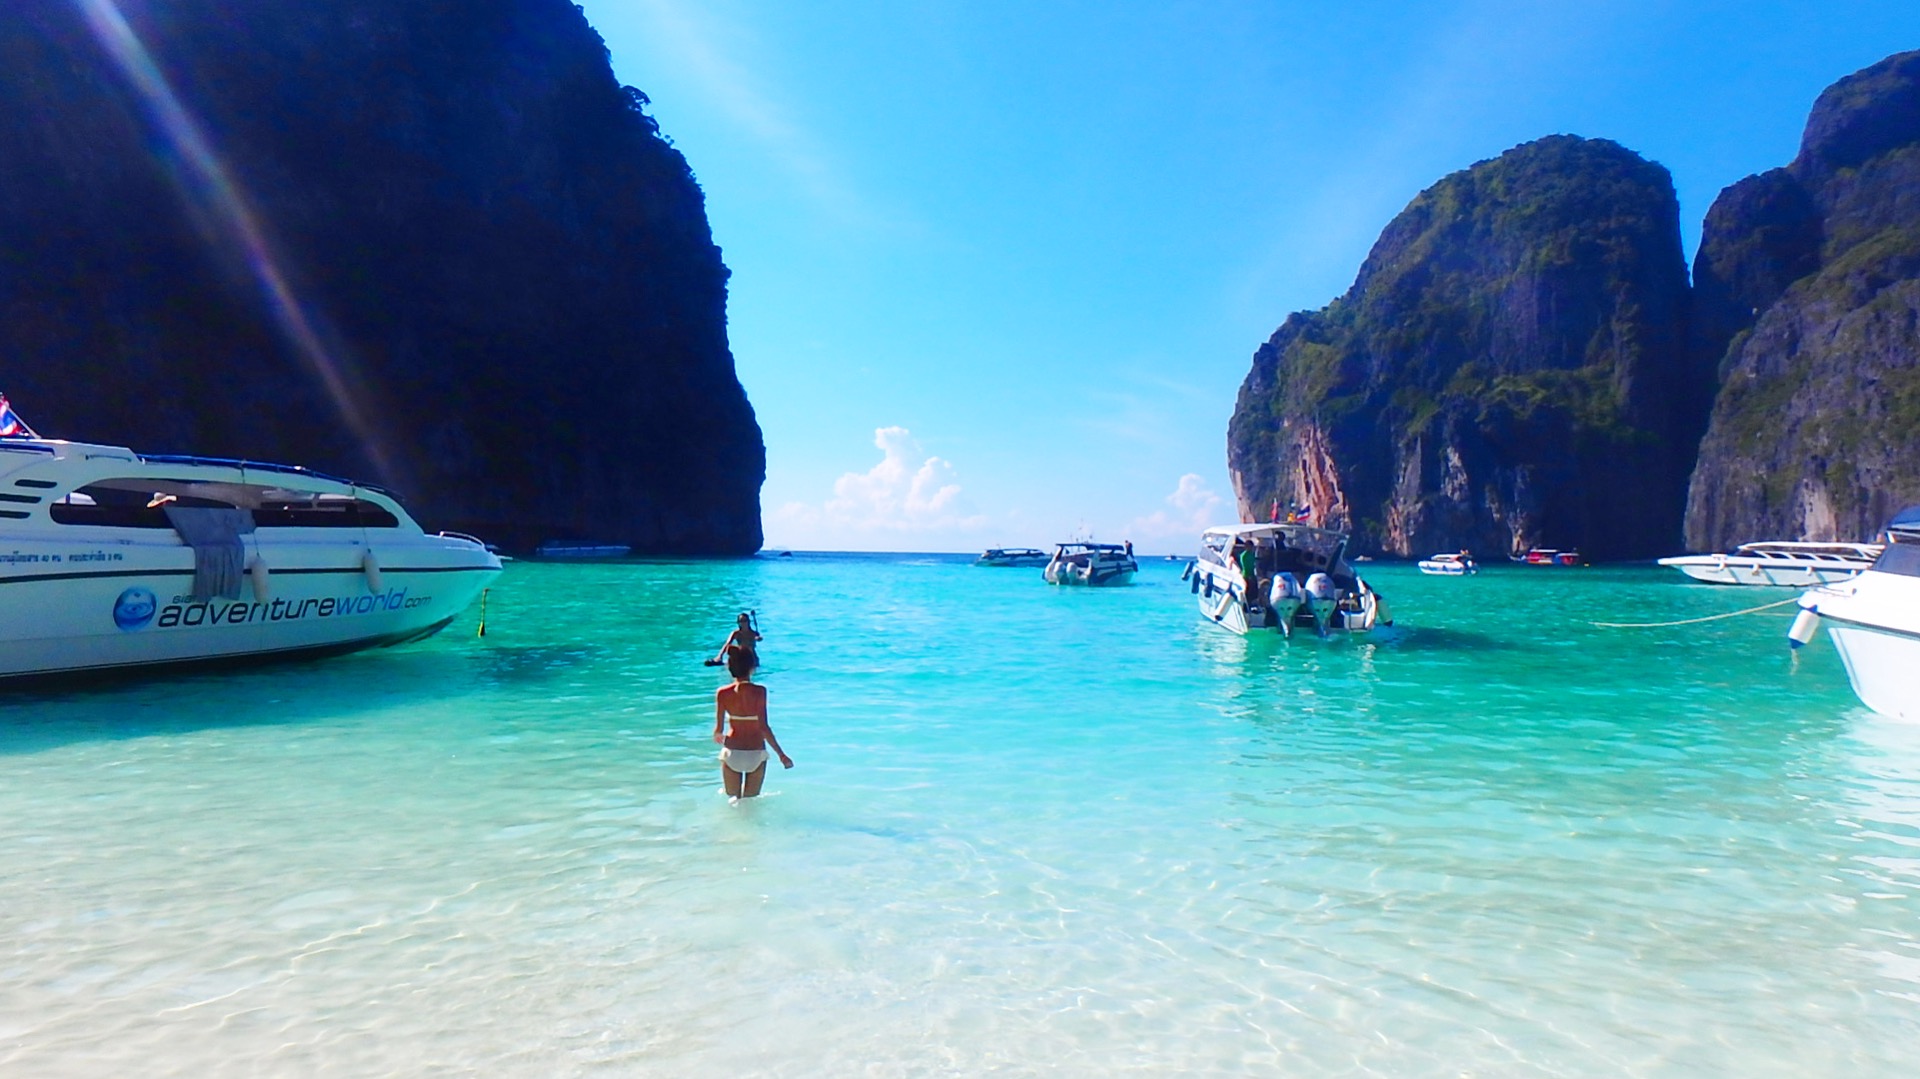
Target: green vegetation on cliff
point(1809, 281)
point(1507, 370)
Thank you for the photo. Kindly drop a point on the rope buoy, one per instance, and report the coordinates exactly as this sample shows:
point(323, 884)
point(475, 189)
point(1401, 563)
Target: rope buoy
point(1692, 621)
point(370, 566)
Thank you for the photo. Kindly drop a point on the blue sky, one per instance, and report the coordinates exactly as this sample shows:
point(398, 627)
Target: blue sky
point(999, 268)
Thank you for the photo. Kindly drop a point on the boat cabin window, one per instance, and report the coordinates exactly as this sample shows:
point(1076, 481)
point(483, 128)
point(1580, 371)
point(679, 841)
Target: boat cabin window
point(1902, 558)
point(139, 502)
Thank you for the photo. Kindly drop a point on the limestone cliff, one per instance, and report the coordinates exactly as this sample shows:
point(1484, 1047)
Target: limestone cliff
point(427, 242)
point(1509, 369)
point(1808, 302)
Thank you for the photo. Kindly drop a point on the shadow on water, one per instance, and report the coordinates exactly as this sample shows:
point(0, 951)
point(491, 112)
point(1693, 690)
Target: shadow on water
point(287, 692)
point(1405, 638)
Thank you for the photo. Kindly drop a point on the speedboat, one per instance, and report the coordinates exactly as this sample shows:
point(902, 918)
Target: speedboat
point(1457, 564)
point(1296, 575)
point(1778, 562)
point(1013, 556)
point(1094, 564)
point(1874, 621)
point(114, 559)
point(1547, 556)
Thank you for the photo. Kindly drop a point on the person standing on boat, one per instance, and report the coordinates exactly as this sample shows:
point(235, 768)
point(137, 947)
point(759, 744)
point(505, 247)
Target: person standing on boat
point(744, 636)
point(741, 729)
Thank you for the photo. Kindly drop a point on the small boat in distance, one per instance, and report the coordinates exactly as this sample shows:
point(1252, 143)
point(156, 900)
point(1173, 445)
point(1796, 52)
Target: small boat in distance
point(1279, 576)
point(121, 560)
point(1548, 556)
point(1095, 564)
point(573, 549)
point(1013, 556)
point(1874, 621)
point(1780, 563)
point(1449, 565)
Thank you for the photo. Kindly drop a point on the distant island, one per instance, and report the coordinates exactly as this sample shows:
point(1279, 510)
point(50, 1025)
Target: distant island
point(1522, 360)
point(505, 268)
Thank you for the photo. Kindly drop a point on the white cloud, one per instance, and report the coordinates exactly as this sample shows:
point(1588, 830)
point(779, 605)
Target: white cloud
point(1191, 508)
point(908, 492)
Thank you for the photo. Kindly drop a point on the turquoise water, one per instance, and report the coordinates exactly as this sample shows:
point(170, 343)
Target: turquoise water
point(1031, 831)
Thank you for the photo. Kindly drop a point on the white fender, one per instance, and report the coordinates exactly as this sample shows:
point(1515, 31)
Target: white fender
point(257, 573)
point(1804, 626)
point(370, 566)
point(1220, 608)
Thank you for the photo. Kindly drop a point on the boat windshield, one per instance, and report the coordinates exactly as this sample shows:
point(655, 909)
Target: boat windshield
point(1902, 559)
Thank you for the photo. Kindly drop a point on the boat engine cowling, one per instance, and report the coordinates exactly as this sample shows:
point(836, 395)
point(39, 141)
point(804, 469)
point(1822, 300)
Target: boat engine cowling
point(1322, 597)
point(1284, 598)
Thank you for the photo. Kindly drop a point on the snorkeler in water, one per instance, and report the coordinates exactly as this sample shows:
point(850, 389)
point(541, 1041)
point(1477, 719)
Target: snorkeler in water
point(746, 636)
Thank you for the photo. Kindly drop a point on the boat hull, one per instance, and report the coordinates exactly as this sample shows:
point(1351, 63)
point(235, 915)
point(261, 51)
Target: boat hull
point(1880, 664)
point(1444, 569)
point(1748, 571)
point(1219, 594)
point(1099, 578)
point(131, 605)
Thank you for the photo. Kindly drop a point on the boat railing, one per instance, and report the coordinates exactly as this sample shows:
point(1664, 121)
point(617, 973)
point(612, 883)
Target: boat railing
point(476, 540)
point(258, 466)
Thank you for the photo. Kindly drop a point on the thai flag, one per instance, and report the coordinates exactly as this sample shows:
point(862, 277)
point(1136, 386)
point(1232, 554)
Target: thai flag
point(11, 425)
point(1303, 513)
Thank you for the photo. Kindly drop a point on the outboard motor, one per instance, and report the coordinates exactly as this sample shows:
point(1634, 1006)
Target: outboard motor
point(1284, 598)
point(1322, 597)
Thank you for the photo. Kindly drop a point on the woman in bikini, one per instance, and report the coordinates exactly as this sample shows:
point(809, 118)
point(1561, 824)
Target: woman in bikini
point(740, 727)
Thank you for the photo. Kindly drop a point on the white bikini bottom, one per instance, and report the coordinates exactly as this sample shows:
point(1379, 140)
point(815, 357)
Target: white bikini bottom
point(744, 761)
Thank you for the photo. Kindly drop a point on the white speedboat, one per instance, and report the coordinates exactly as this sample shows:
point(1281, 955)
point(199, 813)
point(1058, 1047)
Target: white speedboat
point(112, 559)
point(1297, 575)
point(1780, 563)
point(1013, 556)
point(1449, 565)
point(1095, 564)
point(1874, 621)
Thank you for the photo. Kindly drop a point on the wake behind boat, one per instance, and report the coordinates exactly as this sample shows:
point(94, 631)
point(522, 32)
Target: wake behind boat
point(110, 559)
point(1874, 621)
point(1279, 576)
point(1779, 563)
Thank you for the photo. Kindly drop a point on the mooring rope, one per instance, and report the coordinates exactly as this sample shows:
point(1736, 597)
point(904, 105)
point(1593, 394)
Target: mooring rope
point(1692, 621)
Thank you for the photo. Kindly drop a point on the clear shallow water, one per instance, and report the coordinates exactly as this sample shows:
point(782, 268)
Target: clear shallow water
point(1031, 830)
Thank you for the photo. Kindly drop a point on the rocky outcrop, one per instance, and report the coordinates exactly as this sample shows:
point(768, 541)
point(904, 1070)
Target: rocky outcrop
point(1510, 369)
point(1808, 302)
point(431, 243)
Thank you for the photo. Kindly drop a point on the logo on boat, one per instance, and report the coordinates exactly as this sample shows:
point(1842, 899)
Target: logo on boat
point(186, 611)
point(134, 609)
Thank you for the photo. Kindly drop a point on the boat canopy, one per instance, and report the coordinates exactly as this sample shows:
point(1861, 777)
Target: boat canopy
point(1907, 520)
point(1331, 545)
